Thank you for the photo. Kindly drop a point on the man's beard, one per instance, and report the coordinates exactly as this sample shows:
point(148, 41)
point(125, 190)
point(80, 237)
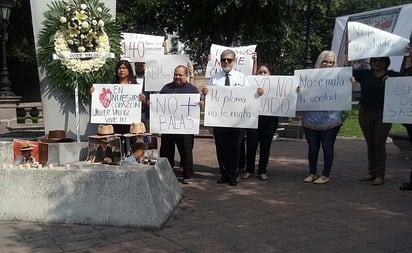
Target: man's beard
point(227, 69)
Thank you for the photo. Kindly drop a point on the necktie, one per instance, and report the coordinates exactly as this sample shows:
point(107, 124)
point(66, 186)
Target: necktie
point(227, 80)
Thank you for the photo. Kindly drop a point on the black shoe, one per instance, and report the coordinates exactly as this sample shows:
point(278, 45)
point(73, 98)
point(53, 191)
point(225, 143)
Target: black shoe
point(232, 182)
point(406, 187)
point(221, 180)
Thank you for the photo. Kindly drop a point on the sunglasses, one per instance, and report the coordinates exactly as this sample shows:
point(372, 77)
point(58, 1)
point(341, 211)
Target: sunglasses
point(228, 60)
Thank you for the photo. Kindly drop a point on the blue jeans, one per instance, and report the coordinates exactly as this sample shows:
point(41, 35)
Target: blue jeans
point(315, 138)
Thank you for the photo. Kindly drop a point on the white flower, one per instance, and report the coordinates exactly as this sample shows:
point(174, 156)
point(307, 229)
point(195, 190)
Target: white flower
point(81, 35)
point(85, 24)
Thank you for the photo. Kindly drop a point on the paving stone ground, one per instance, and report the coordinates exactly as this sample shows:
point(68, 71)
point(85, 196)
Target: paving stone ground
point(283, 214)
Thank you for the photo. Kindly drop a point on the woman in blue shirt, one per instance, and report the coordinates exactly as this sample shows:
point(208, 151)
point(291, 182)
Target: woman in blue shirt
point(321, 128)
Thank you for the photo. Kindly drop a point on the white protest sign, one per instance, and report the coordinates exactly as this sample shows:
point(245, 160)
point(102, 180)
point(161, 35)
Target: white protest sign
point(160, 71)
point(116, 104)
point(324, 89)
point(397, 106)
point(229, 106)
point(366, 41)
point(174, 113)
point(279, 98)
point(244, 61)
point(139, 47)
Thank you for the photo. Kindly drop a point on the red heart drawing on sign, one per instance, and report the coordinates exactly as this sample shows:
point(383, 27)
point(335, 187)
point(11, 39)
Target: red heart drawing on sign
point(104, 97)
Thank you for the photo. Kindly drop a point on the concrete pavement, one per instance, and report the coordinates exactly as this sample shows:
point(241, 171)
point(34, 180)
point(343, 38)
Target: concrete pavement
point(283, 214)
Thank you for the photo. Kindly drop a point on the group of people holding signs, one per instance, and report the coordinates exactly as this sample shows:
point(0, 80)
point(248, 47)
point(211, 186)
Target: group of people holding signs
point(242, 98)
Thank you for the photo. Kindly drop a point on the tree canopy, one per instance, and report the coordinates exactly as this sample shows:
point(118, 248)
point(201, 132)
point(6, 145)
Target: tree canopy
point(278, 30)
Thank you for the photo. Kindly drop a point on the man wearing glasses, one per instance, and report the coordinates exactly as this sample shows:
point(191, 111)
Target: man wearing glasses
point(228, 139)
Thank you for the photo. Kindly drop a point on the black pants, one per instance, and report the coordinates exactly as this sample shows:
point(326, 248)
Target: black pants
point(262, 137)
point(375, 132)
point(184, 143)
point(227, 141)
point(409, 130)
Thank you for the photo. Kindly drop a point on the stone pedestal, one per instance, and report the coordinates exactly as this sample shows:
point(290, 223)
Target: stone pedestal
point(8, 116)
point(66, 152)
point(133, 195)
point(58, 154)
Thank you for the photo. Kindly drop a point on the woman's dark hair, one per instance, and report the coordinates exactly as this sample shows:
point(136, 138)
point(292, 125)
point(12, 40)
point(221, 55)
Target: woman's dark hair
point(130, 77)
point(264, 65)
point(386, 60)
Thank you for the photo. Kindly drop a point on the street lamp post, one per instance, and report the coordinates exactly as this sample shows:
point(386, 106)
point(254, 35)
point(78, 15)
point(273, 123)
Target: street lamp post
point(307, 60)
point(5, 83)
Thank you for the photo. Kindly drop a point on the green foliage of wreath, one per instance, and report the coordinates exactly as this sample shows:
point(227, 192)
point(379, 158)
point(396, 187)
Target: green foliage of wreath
point(78, 26)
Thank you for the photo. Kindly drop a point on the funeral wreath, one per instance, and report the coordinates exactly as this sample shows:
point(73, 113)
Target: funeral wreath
point(76, 45)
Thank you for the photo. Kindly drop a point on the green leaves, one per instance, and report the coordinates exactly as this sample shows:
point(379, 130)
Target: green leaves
point(59, 74)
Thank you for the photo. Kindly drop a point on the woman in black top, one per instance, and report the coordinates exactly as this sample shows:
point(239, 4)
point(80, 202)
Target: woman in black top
point(371, 122)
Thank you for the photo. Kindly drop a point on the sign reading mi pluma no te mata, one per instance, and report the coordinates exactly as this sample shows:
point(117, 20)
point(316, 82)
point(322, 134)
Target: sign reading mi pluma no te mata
point(231, 106)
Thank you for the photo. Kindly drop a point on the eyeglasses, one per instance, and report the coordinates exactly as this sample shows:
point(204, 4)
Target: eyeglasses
point(228, 60)
point(328, 62)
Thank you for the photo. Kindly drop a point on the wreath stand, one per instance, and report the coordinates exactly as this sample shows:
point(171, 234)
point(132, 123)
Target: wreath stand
point(76, 89)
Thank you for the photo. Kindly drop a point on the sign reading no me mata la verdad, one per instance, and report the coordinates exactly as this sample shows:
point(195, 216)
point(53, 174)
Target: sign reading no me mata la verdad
point(324, 89)
point(231, 106)
point(174, 113)
point(116, 103)
point(397, 106)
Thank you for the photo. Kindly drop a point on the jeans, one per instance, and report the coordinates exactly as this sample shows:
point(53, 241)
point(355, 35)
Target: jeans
point(375, 132)
point(315, 138)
